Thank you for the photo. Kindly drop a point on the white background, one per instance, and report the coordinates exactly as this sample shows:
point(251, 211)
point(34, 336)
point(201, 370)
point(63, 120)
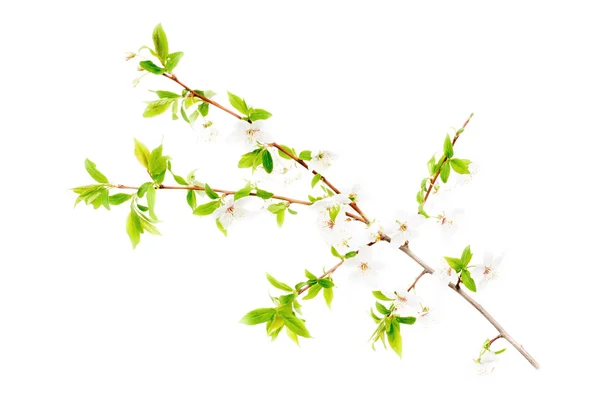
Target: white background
point(83, 317)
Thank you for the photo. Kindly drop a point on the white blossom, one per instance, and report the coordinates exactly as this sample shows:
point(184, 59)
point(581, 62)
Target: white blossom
point(349, 196)
point(250, 134)
point(365, 267)
point(447, 221)
point(487, 271)
point(445, 274)
point(404, 228)
point(321, 161)
point(486, 363)
point(406, 304)
point(208, 132)
point(232, 210)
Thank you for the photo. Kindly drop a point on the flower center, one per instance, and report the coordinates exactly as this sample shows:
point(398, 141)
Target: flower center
point(402, 226)
point(251, 132)
point(363, 266)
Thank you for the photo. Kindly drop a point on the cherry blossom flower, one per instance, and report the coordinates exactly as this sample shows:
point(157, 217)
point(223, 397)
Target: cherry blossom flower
point(349, 196)
point(404, 228)
point(208, 132)
point(406, 304)
point(365, 267)
point(486, 363)
point(445, 274)
point(448, 221)
point(487, 271)
point(250, 134)
point(321, 161)
point(232, 210)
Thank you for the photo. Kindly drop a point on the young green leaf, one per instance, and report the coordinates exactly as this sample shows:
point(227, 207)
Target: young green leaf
point(466, 256)
point(394, 337)
point(203, 109)
point(274, 324)
point(277, 207)
point(94, 173)
point(325, 283)
point(454, 263)
point(172, 60)
point(500, 351)
point(149, 227)
point(420, 196)
point(141, 153)
point(174, 107)
point(309, 275)
point(211, 194)
point(448, 150)
point(431, 165)
point(207, 208)
point(220, 226)
point(461, 166)
point(238, 103)
point(296, 325)
point(178, 179)
point(287, 149)
point(328, 295)
point(264, 194)
point(258, 316)
point(422, 211)
point(151, 67)
point(305, 155)
point(267, 161)
point(247, 160)
point(379, 295)
point(158, 163)
point(161, 45)
point(157, 107)
point(445, 172)
point(382, 309)
point(279, 284)
point(335, 253)
point(313, 291)
point(315, 180)
point(119, 198)
point(293, 336)
point(376, 318)
point(465, 277)
point(166, 94)
point(242, 193)
point(191, 199)
point(280, 217)
point(259, 114)
point(406, 319)
point(133, 226)
point(424, 184)
point(151, 197)
point(350, 254)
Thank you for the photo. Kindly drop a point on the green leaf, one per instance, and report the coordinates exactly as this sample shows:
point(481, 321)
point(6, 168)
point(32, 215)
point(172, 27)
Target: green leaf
point(151, 197)
point(118, 199)
point(247, 160)
point(258, 316)
point(328, 295)
point(142, 153)
point(166, 94)
point(431, 165)
point(157, 107)
point(267, 161)
point(422, 211)
point(406, 319)
point(203, 109)
point(293, 336)
point(149, 227)
point(151, 67)
point(465, 277)
point(461, 166)
point(172, 60)
point(325, 283)
point(313, 291)
point(350, 254)
point(445, 172)
point(379, 295)
point(280, 218)
point(211, 194)
point(174, 107)
point(296, 325)
point(448, 150)
point(309, 275)
point(315, 180)
point(287, 299)
point(274, 324)
point(94, 173)
point(263, 194)
point(220, 226)
point(104, 198)
point(142, 207)
point(191, 199)
point(394, 337)
point(161, 45)
point(277, 207)
point(305, 155)
point(335, 253)
point(158, 163)
point(424, 184)
point(287, 149)
point(376, 318)
point(420, 197)
point(382, 309)
point(133, 226)
point(178, 179)
point(499, 352)
point(454, 263)
point(259, 114)
point(238, 103)
point(242, 193)
point(279, 284)
point(207, 208)
point(466, 256)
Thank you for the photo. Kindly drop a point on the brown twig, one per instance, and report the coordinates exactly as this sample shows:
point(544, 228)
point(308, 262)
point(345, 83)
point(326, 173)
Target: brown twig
point(416, 280)
point(328, 272)
point(495, 338)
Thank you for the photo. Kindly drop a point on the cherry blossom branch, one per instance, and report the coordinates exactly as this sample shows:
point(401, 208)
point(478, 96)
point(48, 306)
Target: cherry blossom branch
point(437, 174)
point(502, 332)
point(222, 191)
point(416, 280)
point(495, 338)
point(327, 273)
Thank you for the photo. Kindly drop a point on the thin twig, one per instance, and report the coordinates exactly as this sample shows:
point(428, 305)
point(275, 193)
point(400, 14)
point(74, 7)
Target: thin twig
point(328, 272)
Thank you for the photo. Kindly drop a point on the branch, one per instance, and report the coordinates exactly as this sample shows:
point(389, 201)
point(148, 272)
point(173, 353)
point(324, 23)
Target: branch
point(328, 272)
point(437, 174)
point(502, 333)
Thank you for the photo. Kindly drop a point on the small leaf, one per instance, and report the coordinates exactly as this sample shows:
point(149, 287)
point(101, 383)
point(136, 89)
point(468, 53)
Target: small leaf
point(267, 161)
point(118, 199)
point(325, 283)
point(466, 256)
point(445, 172)
point(499, 352)
point(315, 180)
point(174, 107)
point(178, 179)
point(448, 150)
point(461, 166)
point(376, 318)
point(220, 226)
point(379, 295)
point(287, 149)
point(328, 295)
point(394, 337)
point(161, 45)
point(211, 194)
point(406, 319)
point(293, 336)
point(133, 227)
point(382, 309)
point(259, 114)
point(305, 155)
point(258, 316)
point(151, 67)
point(454, 263)
point(296, 325)
point(280, 218)
point(166, 94)
point(279, 284)
point(191, 199)
point(172, 60)
point(313, 291)
point(465, 277)
point(420, 197)
point(242, 193)
point(350, 254)
point(151, 197)
point(141, 153)
point(309, 275)
point(277, 207)
point(203, 109)
point(157, 107)
point(94, 173)
point(263, 194)
point(335, 253)
point(158, 163)
point(424, 182)
point(207, 208)
point(247, 160)
point(422, 211)
point(431, 165)
point(238, 103)
point(274, 324)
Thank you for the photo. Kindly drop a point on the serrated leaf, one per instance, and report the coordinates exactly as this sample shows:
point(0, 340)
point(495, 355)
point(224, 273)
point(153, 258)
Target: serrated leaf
point(315, 180)
point(207, 208)
point(382, 309)
point(296, 325)
point(305, 155)
point(151, 67)
point(313, 291)
point(448, 150)
point(157, 107)
point(328, 295)
point(279, 284)
point(466, 256)
point(454, 263)
point(238, 103)
point(267, 161)
point(94, 173)
point(133, 226)
point(119, 198)
point(258, 316)
point(379, 295)
point(461, 166)
point(161, 45)
point(172, 60)
point(191, 199)
point(445, 172)
point(259, 114)
point(465, 277)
